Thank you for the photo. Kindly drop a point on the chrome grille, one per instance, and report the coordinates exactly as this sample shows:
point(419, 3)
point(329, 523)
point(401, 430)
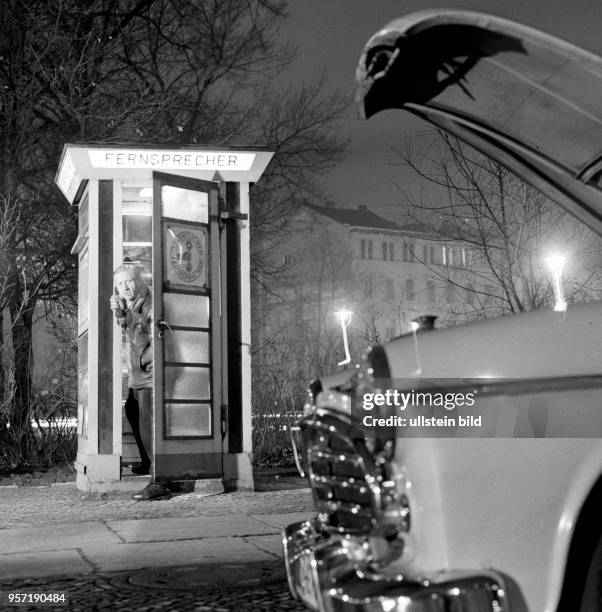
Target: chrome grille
point(341, 473)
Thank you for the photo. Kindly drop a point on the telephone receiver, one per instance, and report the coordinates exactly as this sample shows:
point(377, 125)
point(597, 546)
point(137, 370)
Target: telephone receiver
point(119, 298)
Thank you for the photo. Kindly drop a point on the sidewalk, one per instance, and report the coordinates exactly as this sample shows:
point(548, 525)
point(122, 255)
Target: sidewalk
point(58, 531)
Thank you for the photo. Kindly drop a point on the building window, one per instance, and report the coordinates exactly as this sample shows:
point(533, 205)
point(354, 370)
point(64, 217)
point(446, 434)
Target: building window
point(390, 332)
point(432, 256)
point(288, 260)
point(408, 252)
point(388, 251)
point(454, 256)
point(366, 249)
point(450, 294)
point(389, 289)
point(368, 287)
point(430, 291)
point(470, 297)
point(425, 254)
point(410, 290)
point(469, 258)
point(489, 293)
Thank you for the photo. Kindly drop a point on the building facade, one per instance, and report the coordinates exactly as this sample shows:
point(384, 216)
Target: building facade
point(338, 258)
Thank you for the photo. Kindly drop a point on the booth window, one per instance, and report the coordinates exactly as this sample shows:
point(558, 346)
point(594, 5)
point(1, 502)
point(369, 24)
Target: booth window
point(137, 235)
point(83, 292)
point(82, 384)
point(136, 213)
point(84, 222)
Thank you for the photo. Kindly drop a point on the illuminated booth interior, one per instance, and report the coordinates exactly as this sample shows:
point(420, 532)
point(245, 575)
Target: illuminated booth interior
point(182, 215)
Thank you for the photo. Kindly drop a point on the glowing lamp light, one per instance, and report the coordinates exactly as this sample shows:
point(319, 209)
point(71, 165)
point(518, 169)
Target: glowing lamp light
point(344, 319)
point(556, 265)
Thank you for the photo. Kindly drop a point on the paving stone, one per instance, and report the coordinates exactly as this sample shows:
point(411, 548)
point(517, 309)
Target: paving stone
point(187, 528)
point(282, 520)
point(168, 554)
point(24, 539)
point(269, 544)
point(34, 565)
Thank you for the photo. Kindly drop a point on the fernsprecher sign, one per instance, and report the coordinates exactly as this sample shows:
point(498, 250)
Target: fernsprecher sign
point(170, 160)
point(81, 163)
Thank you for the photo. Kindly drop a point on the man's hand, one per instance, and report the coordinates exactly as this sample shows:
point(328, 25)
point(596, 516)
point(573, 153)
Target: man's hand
point(146, 359)
point(117, 306)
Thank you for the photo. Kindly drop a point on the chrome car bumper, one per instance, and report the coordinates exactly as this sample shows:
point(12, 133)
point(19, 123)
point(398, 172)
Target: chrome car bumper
point(323, 572)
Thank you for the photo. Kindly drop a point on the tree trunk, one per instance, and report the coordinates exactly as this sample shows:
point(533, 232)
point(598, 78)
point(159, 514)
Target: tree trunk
point(22, 323)
point(2, 361)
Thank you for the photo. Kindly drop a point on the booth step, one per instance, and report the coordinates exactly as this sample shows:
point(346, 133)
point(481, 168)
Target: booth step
point(127, 484)
point(204, 486)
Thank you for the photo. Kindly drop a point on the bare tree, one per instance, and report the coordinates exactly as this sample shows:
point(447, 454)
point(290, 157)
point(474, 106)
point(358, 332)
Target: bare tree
point(301, 126)
point(312, 278)
point(497, 231)
point(142, 71)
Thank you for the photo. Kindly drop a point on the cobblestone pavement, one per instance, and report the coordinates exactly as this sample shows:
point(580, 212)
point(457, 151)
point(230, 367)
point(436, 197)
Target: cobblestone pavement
point(177, 589)
point(42, 506)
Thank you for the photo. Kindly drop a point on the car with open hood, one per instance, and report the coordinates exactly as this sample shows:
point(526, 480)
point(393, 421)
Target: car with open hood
point(495, 503)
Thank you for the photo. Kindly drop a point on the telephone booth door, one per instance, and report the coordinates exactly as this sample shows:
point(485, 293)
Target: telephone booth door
point(186, 340)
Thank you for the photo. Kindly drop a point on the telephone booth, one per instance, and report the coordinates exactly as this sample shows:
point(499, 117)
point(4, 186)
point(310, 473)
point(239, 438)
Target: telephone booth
point(182, 216)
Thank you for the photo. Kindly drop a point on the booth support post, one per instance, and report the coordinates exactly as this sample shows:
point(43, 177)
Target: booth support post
point(97, 463)
point(238, 467)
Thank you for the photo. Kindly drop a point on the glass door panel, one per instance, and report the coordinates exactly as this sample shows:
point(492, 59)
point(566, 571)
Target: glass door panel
point(189, 310)
point(185, 408)
point(185, 204)
point(186, 346)
point(185, 420)
point(187, 383)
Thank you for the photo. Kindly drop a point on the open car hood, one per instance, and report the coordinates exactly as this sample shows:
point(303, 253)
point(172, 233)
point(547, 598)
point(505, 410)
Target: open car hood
point(528, 100)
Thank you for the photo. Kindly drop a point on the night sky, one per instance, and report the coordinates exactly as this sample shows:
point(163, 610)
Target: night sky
point(330, 35)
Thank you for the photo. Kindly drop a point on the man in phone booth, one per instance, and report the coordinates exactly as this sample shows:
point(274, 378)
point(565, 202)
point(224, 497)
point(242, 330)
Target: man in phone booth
point(131, 304)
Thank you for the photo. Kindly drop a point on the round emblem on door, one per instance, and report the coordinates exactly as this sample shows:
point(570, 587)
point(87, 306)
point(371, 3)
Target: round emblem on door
point(187, 256)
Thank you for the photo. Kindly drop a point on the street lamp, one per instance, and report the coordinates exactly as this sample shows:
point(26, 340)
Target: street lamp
point(344, 319)
point(556, 265)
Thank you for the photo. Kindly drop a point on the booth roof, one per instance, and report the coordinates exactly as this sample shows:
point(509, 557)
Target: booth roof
point(83, 162)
